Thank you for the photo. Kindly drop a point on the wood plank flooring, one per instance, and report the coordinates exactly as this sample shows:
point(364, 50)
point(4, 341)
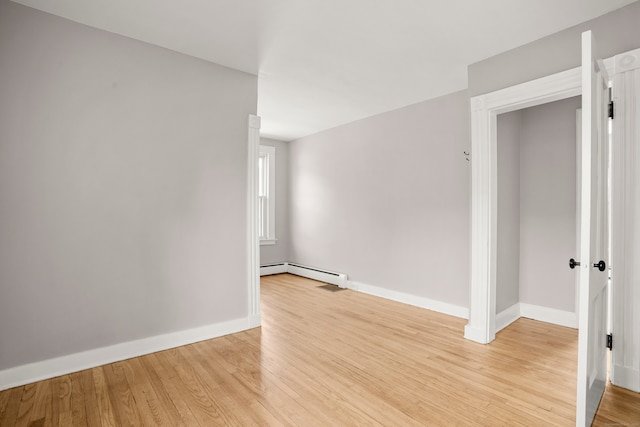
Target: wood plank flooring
point(331, 359)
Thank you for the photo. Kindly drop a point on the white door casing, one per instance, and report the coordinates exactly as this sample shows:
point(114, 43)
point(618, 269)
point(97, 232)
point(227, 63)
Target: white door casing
point(484, 111)
point(253, 240)
point(625, 229)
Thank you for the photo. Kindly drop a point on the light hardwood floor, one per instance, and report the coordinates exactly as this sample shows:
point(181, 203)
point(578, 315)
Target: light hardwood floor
point(327, 358)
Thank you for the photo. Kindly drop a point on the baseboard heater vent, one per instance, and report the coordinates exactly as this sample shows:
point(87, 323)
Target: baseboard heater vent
point(277, 268)
point(279, 264)
point(315, 269)
point(338, 279)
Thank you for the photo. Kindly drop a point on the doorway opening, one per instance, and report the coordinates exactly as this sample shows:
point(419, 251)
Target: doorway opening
point(484, 111)
point(537, 214)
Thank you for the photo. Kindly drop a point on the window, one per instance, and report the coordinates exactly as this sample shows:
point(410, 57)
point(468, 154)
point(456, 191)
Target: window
point(266, 195)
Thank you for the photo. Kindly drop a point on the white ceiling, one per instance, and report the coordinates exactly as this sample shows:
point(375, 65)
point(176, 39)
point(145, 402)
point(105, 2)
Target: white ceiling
point(322, 63)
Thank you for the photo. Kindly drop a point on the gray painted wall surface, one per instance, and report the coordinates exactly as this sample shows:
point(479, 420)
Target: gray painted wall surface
point(548, 204)
point(508, 234)
point(122, 188)
point(615, 32)
point(536, 206)
point(280, 251)
point(386, 200)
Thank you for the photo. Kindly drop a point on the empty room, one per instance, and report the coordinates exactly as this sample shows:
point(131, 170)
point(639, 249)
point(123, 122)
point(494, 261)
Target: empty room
point(319, 213)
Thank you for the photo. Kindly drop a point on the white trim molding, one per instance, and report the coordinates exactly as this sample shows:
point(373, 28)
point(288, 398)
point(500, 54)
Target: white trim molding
point(536, 312)
point(625, 222)
point(549, 315)
point(253, 244)
point(422, 302)
point(37, 371)
point(484, 111)
point(626, 377)
point(507, 317)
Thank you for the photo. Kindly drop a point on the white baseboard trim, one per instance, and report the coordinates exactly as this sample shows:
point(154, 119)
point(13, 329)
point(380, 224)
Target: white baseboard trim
point(266, 270)
point(340, 279)
point(429, 304)
point(37, 371)
point(549, 315)
point(474, 334)
point(535, 312)
point(507, 317)
point(626, 378)
point(252, 322)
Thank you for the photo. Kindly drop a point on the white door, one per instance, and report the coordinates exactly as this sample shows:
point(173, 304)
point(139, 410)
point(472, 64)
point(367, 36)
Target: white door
point(594, 278)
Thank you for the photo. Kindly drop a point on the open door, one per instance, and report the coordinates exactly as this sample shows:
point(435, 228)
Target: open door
point(594, 266)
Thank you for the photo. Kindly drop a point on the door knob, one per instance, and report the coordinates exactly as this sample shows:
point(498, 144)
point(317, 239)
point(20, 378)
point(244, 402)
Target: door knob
point(573, 263)
point(600, 265)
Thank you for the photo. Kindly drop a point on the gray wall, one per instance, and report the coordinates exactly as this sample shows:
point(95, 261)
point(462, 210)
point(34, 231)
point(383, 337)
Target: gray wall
point(122, 188)
point(537, 206)
point(548, 204)
point(615, 32)
point(279, 252)
point(386, 200)
point(508, 232)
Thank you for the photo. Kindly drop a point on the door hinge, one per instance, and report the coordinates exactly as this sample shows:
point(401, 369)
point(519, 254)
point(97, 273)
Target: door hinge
point(611, 109)
point(610, 341)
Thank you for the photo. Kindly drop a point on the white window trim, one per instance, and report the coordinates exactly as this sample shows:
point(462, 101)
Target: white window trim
point(270, 154)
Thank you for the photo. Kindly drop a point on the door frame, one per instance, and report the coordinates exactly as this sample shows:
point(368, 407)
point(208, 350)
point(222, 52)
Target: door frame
point(625, 366)
point(484, 195)
point(253, 240)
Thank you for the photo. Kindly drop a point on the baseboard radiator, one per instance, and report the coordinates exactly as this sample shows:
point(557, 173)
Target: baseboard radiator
point(338, 279)
point(276, 268)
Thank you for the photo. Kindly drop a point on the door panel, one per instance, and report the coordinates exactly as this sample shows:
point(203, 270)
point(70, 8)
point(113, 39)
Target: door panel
point(593, 287)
